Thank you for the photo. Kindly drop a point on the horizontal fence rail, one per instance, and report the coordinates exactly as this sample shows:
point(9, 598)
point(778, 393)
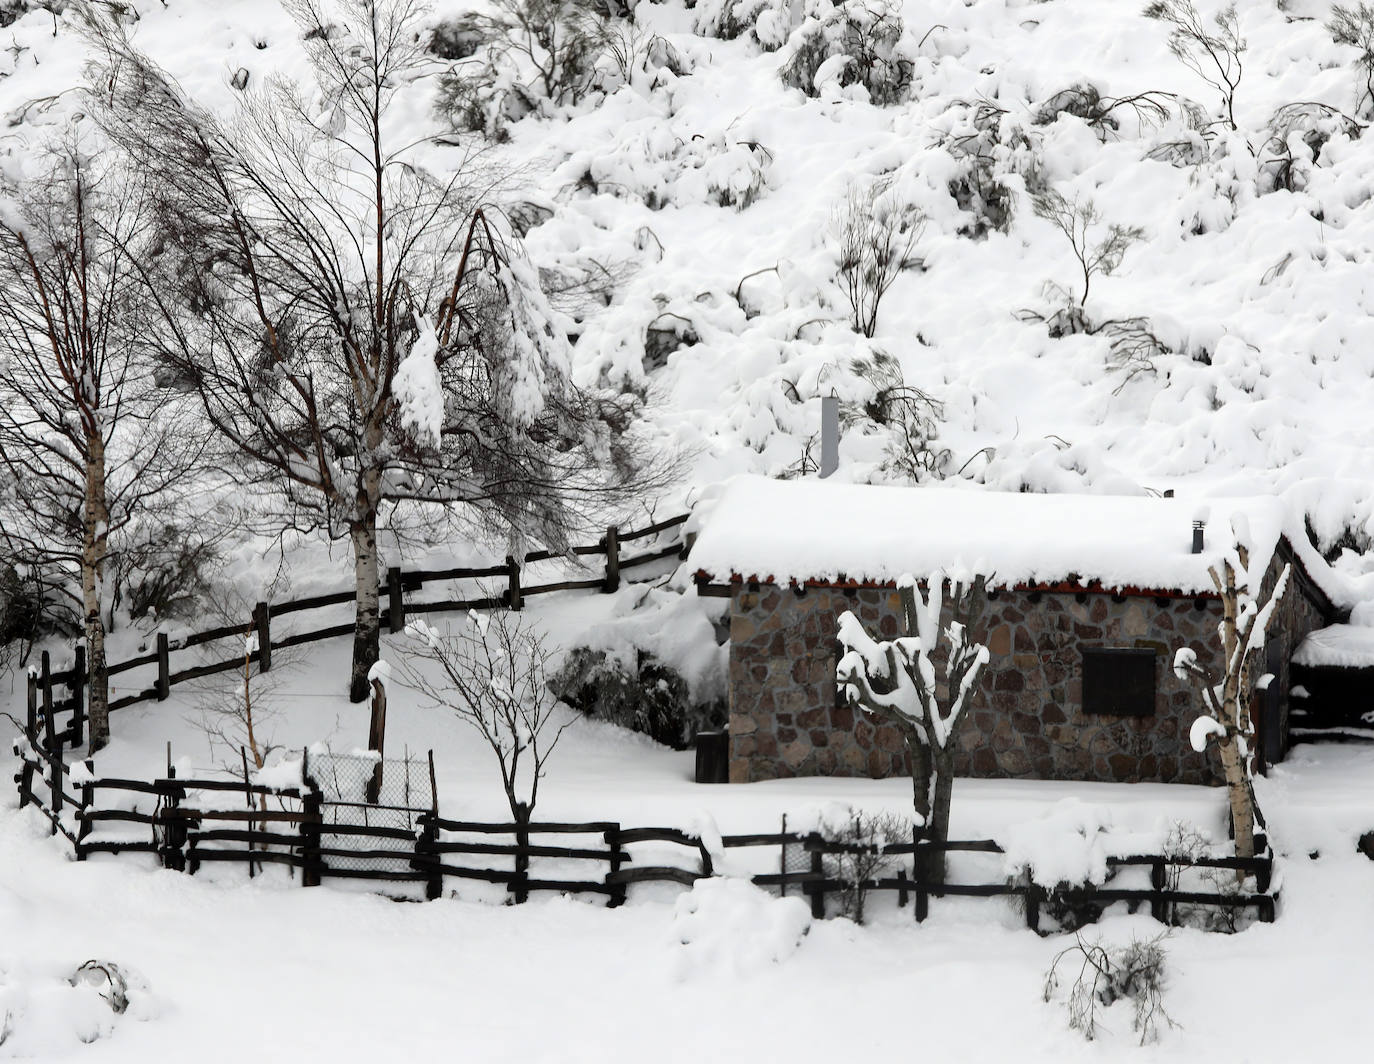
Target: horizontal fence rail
point(46, 683)
point(188, 823)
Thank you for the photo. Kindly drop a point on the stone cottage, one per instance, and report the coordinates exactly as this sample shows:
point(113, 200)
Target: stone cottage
point(1089, 598)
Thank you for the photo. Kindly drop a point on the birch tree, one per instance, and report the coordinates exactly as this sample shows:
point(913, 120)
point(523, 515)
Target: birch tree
point(920, 685)
point(84, 450)
point(1227, 724)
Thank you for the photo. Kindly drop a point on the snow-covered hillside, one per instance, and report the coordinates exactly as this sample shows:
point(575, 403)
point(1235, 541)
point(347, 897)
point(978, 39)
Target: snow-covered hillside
point(688, 219)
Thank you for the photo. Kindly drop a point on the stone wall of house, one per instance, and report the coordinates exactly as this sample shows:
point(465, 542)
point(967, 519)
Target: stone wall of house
point(1027, 718)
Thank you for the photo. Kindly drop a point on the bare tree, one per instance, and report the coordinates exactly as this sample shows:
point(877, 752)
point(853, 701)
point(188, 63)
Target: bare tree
point(1228, 724)
point(493, 677)
point(896, 681)
point(364, 331)
point(1078, 221)
point(1213, 52)
point(877, 238)
point(83, 443)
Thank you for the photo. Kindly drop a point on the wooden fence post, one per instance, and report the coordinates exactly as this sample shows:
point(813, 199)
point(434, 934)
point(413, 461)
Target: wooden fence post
point(262, 625)
point(79, 687)
point(164, 681)
point(396, 607)
point(25, 779)
point(174, 825)
point(518, 883)
point(31, 722)
point(612, 544)
point(513, 598)
point(376, 740)
point(1033, 895)
point(45, 687)
point(311, 820)
point(1158, 909)
point(618, 890)
point(83, 827)
point(816, 889)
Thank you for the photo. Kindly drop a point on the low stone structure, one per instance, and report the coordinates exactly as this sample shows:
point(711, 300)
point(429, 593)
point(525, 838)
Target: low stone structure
point(1028, 717)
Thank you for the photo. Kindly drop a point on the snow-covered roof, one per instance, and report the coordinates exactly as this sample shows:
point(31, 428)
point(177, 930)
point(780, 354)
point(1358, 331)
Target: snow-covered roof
point(781, 531)
point(1347, 646)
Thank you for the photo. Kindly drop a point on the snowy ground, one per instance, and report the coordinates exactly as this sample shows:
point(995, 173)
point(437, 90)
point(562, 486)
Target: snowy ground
point(270, 971)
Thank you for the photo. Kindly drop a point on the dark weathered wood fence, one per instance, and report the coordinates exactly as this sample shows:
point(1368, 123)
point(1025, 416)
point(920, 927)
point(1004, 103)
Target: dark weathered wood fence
point(52, 692)
point(187, 825)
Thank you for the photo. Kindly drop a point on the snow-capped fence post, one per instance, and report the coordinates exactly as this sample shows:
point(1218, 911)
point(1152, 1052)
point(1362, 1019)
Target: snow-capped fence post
point(31, 717)
point(174, 825)
point(395, 601)
point(1158, 880)
point(1034, 895)
point(262, 627)
point(163, 686)
point(513, 598)
point(611, 542)
point(78, 687)
point(376, 740)
point(49, 734)
point(83, 812)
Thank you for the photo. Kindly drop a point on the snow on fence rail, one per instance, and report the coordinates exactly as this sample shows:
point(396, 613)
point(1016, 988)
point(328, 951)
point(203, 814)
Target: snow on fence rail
point(43, 682)
point(190, 822)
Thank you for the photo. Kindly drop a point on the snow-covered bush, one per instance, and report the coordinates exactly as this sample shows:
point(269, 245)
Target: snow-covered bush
point(731, 927)
point(876, 235)
point(1297, 133)
point(1354, 26)
point(767, 22)
point(996, 151)
point(909, 416)
point(637, 691)
point(855, 43)
point(663, 166)
point(1134, 973)
point(529, 55)
point(1085, 101)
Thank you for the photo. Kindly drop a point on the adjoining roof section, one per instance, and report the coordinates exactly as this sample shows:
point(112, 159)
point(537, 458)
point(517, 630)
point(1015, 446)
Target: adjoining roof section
point(795, 531)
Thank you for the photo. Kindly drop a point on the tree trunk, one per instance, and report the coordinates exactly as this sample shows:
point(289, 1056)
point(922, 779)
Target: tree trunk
point(942, 765)
point(367, 627)
point(1238, 793)
point(930, 866)
point(95, 532)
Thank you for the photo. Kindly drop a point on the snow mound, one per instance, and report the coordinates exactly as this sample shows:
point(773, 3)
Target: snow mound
point(42, 1014)
point(1065, 845)
point(730, 926)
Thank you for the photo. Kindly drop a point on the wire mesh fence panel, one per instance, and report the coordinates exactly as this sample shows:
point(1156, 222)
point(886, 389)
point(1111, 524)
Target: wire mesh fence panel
point(368, 811)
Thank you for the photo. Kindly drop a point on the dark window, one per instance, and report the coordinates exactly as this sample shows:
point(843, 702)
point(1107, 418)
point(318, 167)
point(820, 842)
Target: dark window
point(1119, 682)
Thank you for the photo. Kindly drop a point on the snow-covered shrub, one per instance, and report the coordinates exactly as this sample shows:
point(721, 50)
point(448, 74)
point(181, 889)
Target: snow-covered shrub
point(876, 234)
point(165, 570)
point(1063, 852)
point(1297, 134)
point(30, 610)
point(1085, 101)
point(637, 691)
point(909, 416)
point(1134, 973)
point(767, 22)
point(853, 43)
point(992, 147)
point(529, 55)
point(1354, 26)
point(662, 166)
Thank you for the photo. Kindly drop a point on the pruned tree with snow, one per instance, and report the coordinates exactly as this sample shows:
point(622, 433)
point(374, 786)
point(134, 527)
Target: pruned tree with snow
point(1227, 724)
point(922, 682)
point(492, 674)
point(87, 450)
point(365, 331)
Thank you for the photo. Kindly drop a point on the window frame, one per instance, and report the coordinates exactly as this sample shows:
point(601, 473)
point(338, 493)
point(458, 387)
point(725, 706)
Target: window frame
point(1131, 707)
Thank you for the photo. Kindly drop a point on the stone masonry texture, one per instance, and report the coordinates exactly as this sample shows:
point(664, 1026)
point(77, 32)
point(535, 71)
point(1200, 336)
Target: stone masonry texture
point(1027, 718)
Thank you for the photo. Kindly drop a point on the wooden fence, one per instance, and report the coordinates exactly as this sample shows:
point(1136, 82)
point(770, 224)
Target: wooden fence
point(45, 699)
point(195, 822)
